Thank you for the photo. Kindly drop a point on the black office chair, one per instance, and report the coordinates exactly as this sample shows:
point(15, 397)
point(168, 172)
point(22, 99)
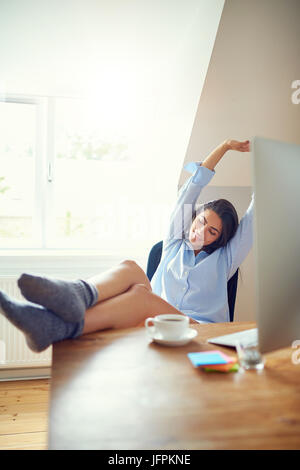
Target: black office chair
point(154, 260)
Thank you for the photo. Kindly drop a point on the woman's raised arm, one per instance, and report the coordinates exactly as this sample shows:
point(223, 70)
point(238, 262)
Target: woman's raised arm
point(215, 156)
point(181, 216)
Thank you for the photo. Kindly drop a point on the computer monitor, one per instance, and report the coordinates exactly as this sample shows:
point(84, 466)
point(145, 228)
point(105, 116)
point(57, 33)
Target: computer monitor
point(276, 184)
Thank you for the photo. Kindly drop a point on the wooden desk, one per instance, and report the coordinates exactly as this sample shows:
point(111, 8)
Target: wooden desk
point(117, 390)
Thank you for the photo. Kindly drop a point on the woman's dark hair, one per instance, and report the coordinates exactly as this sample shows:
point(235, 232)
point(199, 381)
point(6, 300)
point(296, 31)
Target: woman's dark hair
point(229, 217)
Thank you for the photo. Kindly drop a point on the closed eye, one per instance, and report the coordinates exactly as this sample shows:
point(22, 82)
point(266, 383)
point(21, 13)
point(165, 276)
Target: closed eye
point(211, 227)
point(202, 221)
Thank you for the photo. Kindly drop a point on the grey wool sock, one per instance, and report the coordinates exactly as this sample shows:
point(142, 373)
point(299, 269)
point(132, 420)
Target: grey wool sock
point(40, 326)
point(67, 299)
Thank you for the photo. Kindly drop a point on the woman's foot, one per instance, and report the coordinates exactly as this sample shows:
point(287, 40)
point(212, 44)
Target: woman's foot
point(40, 326)
point(67, 299)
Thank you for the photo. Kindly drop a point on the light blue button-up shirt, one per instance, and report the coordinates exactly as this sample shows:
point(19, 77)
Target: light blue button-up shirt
point(197, 286)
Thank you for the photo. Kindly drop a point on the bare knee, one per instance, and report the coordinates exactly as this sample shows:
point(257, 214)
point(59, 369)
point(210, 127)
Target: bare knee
point(137, 274)
point(132, 266)
point(129, 263)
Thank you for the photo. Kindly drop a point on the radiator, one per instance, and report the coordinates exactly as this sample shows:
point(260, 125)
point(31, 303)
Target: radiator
point(14, 352)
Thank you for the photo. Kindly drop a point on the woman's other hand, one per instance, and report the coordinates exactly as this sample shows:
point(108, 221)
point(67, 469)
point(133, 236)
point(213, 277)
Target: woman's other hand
point(239, 146)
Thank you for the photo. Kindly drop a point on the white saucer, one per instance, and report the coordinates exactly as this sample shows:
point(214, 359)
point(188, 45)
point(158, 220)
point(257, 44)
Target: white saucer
point(191, 334)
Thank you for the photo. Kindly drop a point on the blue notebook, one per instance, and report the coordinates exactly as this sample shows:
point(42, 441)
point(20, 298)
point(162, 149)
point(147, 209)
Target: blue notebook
point(207, 358)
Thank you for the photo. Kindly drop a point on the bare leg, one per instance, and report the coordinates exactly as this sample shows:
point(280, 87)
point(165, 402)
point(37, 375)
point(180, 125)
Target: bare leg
point(126, 310)
point(119, 279)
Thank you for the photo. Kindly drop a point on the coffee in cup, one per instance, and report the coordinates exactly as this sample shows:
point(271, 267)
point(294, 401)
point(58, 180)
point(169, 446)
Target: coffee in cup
point(168, 326)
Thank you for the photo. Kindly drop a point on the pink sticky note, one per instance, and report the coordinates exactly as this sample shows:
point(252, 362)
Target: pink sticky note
point(228, 359)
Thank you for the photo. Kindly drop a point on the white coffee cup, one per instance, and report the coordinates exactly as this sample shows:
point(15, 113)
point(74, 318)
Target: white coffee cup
point(168, 326)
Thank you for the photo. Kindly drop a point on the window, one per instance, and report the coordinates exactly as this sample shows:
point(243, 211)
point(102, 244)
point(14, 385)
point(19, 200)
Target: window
point(72, 178)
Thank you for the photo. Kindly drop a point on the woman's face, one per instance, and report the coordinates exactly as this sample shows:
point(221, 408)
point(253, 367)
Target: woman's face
point(205, 229)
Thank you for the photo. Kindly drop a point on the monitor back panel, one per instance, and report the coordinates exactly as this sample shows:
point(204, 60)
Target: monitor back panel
point(276, 181)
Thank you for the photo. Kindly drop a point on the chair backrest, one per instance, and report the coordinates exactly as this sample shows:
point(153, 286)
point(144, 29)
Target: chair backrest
point(154, 260)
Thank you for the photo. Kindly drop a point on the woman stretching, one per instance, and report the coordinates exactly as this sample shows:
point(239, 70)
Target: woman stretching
point(201, 251)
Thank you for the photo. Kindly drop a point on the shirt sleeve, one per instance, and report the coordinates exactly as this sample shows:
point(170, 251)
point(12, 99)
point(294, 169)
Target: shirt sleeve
point(240, 245)
point(181, 215)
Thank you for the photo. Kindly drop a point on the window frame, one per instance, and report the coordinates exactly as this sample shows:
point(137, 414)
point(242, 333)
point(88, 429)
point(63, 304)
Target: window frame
point(44, 166)
point(41, 157)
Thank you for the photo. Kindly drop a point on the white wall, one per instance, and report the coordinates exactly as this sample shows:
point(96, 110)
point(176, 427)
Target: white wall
point(248, 92)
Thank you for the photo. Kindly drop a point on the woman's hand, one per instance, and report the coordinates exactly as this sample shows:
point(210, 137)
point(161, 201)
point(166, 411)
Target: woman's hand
point(239, 146)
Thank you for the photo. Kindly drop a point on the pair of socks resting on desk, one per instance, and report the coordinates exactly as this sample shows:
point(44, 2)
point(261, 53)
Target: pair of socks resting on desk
point(55, 309)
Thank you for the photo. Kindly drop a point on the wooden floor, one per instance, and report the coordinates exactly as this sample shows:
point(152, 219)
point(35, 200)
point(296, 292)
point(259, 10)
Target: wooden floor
point(24, 414)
